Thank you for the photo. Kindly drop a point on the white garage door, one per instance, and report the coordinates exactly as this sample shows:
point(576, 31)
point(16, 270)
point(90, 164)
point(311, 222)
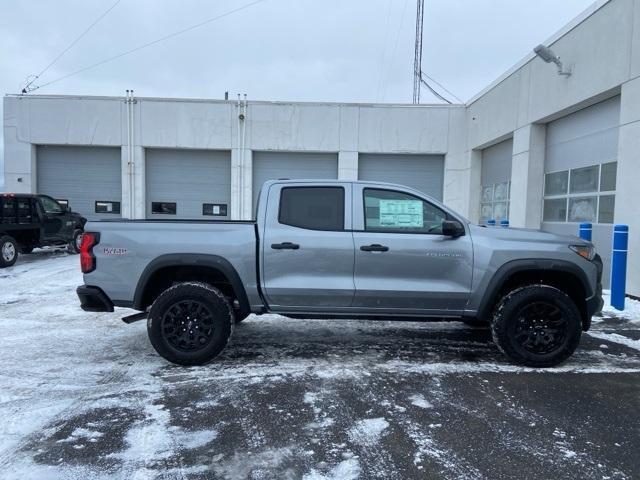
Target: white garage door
point(580, 174)
point(422, 172)
point(89, 178)
point(193, 184)
point(293, 165)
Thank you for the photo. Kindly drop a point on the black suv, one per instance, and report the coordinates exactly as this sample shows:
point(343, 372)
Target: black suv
point(28, 221)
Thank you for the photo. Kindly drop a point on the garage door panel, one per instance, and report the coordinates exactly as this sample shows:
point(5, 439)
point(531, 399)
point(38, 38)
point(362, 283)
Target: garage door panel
point(422, 172)
point(583, 138)
point(81, 175)
point(496, 163)
point(293, 165)
point(592, 149)
point(188, 178)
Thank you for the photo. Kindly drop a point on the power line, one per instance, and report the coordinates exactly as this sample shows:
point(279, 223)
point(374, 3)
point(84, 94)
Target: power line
point(95, 22)
point(395, 46)
point(442, 87)
point(384, 48)
point(419, 77)
point(432, 90)
point(154, 42)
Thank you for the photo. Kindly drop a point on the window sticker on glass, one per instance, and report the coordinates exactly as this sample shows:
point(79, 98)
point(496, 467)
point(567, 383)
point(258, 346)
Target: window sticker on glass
point(401, 213)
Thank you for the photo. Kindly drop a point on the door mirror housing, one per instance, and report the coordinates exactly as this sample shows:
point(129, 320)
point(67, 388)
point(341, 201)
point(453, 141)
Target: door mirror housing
point(64, 208)
point(452, 228)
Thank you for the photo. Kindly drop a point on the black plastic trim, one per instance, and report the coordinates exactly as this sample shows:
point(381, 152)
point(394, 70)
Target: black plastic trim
point(93, 299)
point(123, 303)
point(531, 264)
point(192, 260)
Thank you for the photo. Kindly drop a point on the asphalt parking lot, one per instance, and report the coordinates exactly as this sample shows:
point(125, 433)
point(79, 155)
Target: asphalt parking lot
point(85, 396)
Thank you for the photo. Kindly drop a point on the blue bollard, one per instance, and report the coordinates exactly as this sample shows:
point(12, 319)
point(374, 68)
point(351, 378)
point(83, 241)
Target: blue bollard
point(504, 223)
point(619, 266)
point(585, 230)
point(491, 223)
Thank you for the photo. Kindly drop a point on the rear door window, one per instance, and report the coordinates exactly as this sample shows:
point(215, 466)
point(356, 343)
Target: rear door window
point(312, 208)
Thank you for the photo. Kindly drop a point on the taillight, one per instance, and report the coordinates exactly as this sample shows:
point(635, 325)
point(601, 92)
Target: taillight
point(87, 258)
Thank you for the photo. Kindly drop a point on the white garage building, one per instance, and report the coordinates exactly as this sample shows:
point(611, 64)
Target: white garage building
point(543, 150)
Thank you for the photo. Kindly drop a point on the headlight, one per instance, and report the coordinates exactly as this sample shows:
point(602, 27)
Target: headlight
point(585, 251)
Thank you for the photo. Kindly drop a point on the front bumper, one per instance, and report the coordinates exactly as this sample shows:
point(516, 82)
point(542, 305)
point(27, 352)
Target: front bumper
point(595, 303)
point(93, 299)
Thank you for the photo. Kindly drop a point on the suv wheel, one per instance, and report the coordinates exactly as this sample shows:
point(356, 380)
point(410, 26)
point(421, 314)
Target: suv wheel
point(75, 242)
point(8, 251)
point(190, 323)
point(537, 326)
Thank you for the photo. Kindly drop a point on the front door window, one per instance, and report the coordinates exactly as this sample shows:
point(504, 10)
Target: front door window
point(389, 211)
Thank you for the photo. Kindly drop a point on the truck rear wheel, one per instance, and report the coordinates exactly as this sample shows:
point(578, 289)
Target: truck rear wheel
point(190, 323)
point(8, 251)
point(537, 326)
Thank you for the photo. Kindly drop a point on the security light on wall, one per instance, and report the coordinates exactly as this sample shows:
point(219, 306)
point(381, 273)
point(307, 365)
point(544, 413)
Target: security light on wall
point(547, 55)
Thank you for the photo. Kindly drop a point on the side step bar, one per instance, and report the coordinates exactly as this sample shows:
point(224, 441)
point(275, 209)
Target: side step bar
point(135, 317)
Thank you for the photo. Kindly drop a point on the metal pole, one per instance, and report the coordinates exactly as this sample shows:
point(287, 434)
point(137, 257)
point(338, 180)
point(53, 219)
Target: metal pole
point(619, 266)
point(585, 230)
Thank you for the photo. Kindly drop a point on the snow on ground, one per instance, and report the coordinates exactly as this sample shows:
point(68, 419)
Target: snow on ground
point(82, 395)
point(631, 310)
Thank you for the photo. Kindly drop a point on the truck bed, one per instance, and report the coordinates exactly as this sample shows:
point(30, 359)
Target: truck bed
point(128, 247)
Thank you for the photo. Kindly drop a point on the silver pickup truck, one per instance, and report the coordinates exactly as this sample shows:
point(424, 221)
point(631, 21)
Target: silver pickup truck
point(342, 249)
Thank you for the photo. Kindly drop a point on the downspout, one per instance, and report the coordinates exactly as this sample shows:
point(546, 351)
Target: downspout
point(132, 164)
point(244, 130)
point(238, 176)
point(128, 105)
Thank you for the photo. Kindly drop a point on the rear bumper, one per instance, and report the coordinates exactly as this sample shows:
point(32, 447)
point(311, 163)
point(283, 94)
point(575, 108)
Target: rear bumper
point(93, 299)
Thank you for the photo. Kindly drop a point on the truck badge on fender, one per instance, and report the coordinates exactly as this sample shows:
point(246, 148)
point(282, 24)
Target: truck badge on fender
point(114, 251)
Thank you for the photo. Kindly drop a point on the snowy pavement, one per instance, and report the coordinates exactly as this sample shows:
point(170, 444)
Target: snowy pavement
point(85, 396)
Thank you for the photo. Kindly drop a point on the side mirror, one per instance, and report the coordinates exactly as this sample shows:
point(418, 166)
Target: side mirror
point(65, 208)
point(452, 228)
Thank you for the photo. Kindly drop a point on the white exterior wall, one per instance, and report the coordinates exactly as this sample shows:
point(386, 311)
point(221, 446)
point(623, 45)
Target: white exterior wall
point(602, 47)
point(209, 124)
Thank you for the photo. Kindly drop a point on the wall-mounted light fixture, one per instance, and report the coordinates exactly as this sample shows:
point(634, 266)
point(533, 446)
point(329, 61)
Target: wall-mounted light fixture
point(547, 55)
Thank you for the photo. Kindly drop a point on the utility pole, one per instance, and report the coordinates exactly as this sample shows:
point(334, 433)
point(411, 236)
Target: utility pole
point(417, 59)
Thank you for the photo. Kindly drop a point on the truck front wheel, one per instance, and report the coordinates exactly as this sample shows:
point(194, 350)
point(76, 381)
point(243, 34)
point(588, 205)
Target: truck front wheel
point(75, 242)
point(537, 326)
point(190, 323)
point(8, 251)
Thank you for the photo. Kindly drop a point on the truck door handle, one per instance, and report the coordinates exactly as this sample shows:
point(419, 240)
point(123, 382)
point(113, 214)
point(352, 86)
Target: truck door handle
point(285, 246)
point(374, 248)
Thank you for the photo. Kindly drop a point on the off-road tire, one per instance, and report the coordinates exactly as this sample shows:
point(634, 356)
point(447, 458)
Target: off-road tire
point(215, 322)
point(73, 246)
point(8, 251)
point(521, 307)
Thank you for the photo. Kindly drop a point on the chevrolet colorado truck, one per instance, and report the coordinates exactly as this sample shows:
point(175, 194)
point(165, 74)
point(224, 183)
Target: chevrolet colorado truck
point(342, 249)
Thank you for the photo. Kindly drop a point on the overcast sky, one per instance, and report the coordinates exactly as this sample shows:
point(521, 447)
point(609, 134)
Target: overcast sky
point(306, 50)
